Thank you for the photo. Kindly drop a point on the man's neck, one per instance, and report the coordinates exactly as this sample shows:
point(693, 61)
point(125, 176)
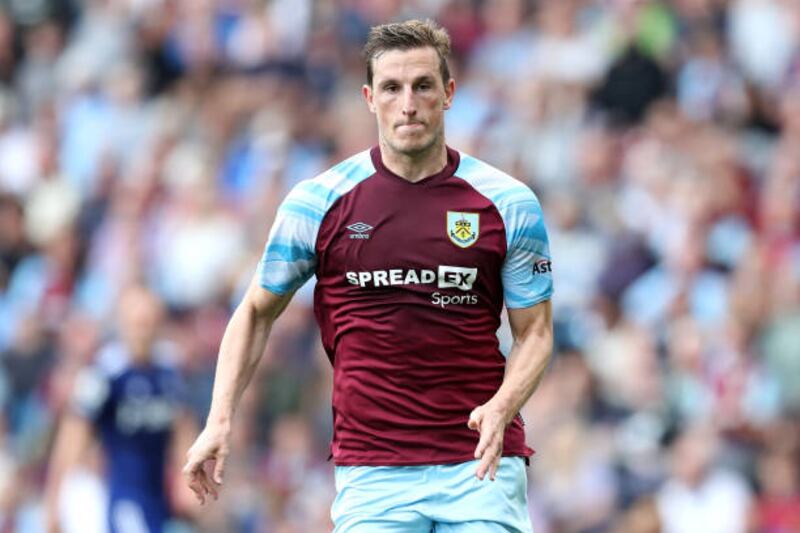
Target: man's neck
point(415, 167)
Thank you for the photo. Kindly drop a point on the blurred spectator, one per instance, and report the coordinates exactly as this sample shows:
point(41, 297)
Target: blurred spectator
point(131, 397)
point(762, 39)
point(633, 82)
point(18, 148)
point(699, 495)
point(26, 364)
point(708, 86)
point(14, 245)
point(778, 506)
point(502, 53)
point(642, 517)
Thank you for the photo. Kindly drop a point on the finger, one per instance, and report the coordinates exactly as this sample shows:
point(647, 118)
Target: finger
point(483, 466)
point(213, 490)
point(474, 420)
point(190, 477)
point(205, 481)
point(209, 486)
point(495, 466)
point(483, 443)
point(192, 466)
point(198, 491)
point(219, 467)
point(486, 464)
point(188, 467)
point(489, 455)
point(198, 481)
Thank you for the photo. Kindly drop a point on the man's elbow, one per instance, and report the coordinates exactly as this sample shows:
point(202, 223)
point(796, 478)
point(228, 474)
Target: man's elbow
point(263, 305)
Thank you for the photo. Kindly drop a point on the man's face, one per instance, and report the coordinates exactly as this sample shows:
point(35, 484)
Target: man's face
point(409, 98)
point(141, 315)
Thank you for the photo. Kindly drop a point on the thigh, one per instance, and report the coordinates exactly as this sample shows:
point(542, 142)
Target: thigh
point(466, 504)
point(380, 500)
point(386, 522)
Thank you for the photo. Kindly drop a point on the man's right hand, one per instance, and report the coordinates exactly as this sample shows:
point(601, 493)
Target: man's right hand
point(207, 454)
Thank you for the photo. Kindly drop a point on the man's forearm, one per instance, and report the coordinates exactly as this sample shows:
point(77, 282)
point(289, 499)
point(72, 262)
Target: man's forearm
point(240, 351)
point(525, 370)
point(527, 363)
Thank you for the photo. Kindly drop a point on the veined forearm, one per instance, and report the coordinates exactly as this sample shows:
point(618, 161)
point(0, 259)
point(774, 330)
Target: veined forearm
point(527, 363)
point(240, 351)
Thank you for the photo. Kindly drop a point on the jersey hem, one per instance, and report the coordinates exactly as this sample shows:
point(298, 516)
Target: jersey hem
point(446, 461)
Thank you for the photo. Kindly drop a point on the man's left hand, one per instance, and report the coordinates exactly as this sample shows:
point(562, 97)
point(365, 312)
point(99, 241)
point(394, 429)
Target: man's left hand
point(490, 423)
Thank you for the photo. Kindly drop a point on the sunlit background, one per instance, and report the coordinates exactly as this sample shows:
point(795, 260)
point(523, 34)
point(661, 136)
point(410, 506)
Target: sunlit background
point(151, 141)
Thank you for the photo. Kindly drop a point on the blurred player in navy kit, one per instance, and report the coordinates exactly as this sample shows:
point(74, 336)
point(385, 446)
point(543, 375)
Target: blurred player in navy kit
point(416, 248)
point(131, 398)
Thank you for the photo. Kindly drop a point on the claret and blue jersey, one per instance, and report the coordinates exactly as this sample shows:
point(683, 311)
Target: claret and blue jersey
point(133, 408)
point(411, 280)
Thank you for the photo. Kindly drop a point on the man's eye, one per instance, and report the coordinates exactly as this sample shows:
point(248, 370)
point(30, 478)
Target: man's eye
point(391, 88)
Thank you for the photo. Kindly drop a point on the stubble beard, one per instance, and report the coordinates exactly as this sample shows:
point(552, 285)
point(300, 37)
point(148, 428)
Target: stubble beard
point(416, 151)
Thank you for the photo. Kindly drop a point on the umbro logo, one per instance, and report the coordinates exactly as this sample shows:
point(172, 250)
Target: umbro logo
point(359, 230)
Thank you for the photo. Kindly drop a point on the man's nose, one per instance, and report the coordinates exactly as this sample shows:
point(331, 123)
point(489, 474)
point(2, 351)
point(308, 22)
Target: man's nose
point(409, 103)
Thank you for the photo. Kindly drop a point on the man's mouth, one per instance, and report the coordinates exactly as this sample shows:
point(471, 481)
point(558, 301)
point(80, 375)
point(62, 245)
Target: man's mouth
point(410, 125)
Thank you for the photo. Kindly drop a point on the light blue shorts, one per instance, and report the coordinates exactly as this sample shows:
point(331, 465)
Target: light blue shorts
point(424, 499)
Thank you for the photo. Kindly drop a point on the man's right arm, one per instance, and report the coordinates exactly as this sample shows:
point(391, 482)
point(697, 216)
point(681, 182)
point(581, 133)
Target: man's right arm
point(240, 351)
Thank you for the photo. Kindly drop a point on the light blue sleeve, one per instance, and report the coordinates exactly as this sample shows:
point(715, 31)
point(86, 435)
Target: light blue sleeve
point(527, 273)
point(289, 258)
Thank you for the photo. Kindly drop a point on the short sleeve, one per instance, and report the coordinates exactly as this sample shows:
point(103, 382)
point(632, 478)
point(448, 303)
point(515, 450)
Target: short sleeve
point(91, 393)
point(289, 258)
point(527, 272)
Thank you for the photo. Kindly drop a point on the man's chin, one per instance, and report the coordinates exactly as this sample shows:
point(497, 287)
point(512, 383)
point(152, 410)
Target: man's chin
point(411, 147)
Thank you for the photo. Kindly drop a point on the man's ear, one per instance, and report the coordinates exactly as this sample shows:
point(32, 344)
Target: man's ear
point(449, 92)
point(366, 90)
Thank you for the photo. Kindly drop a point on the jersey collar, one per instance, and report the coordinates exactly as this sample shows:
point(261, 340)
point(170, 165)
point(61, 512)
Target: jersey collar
point(453, 159)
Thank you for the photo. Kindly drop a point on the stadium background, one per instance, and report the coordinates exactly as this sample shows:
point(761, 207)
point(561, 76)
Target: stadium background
point(152, 140)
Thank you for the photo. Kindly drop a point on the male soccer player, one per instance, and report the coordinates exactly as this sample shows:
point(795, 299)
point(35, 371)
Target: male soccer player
point(131, 397)
point(415, 247)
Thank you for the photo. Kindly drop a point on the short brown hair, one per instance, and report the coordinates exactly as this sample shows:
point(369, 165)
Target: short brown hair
point(405, 36)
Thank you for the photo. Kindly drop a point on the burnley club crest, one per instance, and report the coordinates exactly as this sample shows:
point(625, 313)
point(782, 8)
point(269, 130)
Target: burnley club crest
point(463, 228)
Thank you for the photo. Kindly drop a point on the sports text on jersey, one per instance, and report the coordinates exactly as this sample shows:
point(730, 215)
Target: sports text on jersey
point(447, 277)
point(443, 300)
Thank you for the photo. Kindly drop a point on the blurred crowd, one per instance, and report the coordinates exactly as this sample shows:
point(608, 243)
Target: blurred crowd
point(150, 141)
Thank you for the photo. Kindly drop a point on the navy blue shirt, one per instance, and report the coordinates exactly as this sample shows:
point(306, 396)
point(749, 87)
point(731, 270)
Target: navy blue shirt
point(133, 407)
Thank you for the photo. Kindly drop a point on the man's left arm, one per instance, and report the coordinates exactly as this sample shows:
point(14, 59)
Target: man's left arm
point(532, 329)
